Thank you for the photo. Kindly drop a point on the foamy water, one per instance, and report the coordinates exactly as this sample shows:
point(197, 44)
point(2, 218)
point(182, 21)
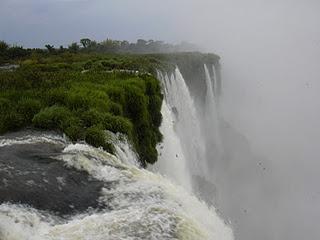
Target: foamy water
point(139, 204)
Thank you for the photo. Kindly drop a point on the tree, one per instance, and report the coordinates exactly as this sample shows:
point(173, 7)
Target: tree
point(50, 48)
point(110, 45)
point(3, 46)
point(124, 44)
point(74, 47)
point(93, 45)
point(141, 45)
point(16, 52)
point(141, 42)
point(86, 42)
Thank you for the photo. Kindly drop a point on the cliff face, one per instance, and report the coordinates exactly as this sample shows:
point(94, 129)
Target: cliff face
point(191, 66)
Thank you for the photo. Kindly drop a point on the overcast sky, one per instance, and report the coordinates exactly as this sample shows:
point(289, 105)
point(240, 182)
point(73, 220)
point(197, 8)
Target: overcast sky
point(270, 53)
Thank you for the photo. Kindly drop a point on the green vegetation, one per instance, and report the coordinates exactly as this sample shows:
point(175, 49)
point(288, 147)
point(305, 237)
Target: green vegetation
point(9, 53)
point(86, 89)
point(84, 94)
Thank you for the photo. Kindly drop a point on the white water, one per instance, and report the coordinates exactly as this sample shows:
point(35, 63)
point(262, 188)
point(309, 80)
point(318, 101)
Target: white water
point(141, 205)
point(185, 124)
point(29, 139)
point(215, 82)
point(210, 124)
point(194, 130)
point(124, 150)
point(171, 149)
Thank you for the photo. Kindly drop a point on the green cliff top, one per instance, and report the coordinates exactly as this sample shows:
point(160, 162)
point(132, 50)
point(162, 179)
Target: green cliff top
point(82, 94)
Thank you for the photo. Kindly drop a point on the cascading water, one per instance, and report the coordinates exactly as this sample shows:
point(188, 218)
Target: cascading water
point(216, 87)
point(196, 129)
point(186, 128)
point(134, 203)
point(210, 123)
point(171, 148)
point(128, 202)
point(222, 175)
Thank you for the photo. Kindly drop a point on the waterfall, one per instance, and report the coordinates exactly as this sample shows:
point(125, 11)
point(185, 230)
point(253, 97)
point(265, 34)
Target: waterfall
point(216, 85)
point(171, 149)
point(134, 203)
point(180, 115)
point(196, 135)
point(210, 123)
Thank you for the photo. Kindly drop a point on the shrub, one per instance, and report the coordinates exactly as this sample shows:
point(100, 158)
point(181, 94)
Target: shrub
point(51, 117)
point(77, 101)
point(154, 107)
point(117, 124)
point(75, 132)
point(96, 137)
point(28, 107)
point(10, 121)
point(115, 109)
point(5, 105)
point(56, 96)
point(136, 104)
point(92, 117)
point(88, 65)
point(49, 91)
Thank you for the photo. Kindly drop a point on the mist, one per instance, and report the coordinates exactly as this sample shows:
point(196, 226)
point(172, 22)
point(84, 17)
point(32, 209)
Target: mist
point(270, 57)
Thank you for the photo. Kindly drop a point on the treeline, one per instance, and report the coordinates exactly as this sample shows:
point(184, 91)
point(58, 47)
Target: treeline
point(86, 45)
point(141, 46)
point(9, 53)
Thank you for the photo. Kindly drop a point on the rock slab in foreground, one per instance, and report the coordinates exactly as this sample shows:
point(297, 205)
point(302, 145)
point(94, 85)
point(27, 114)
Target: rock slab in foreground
point(30, 175)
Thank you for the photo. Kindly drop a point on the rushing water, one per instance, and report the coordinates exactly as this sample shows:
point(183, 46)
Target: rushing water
point(134, 203)
point(186, 129)
point(195, 132)
point(131, 203)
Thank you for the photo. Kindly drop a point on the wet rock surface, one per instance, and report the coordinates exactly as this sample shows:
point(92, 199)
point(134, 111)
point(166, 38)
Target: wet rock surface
point(30, 174)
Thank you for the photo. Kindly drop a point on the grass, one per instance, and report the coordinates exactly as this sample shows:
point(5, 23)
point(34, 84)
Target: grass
point(84, 94)
point(55, 93)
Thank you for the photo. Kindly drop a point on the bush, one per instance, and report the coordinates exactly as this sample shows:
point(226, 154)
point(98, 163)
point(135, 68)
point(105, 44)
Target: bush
point(28, 107)
point(77, 101)
point(52, 117)
point(49, 91)
point(11, 121)
point(154, 108)
point(56, 96)
point(117, 124)
point(96, 137)
point(75, 132)
point(88, 65)
point(5, 105)
point(115, 109)
point(92, 117)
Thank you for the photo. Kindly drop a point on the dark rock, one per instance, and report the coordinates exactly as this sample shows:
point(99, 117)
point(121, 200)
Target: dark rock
point(30, 175)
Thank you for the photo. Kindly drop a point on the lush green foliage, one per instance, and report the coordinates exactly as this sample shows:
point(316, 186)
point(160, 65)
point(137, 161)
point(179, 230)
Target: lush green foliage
point(84, 90)
point(84, 94)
